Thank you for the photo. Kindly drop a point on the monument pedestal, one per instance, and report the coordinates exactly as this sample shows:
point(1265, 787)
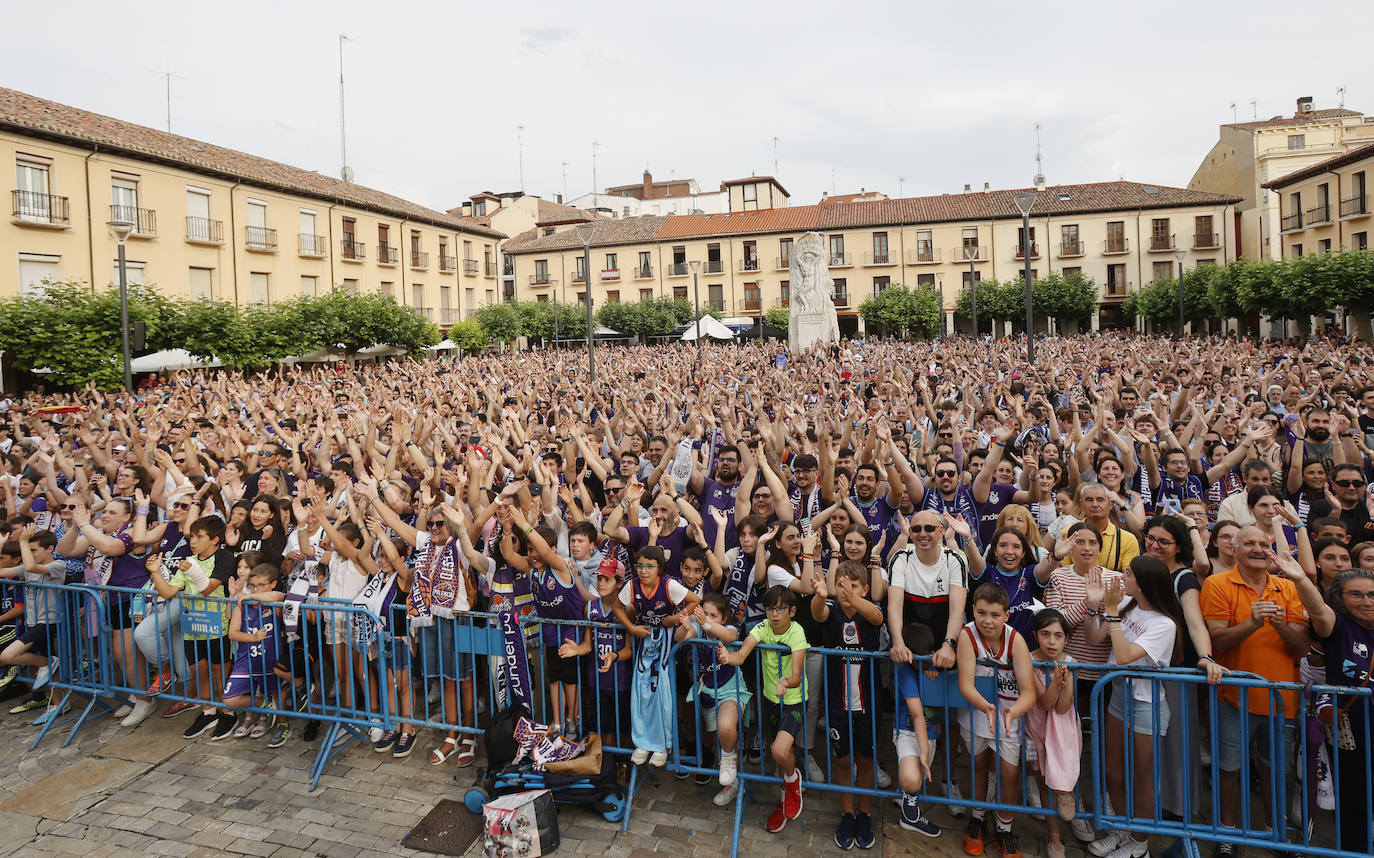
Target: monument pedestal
point(805, 329)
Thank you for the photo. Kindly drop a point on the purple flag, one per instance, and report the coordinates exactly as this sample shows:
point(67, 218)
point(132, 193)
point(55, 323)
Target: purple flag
point(515, 666)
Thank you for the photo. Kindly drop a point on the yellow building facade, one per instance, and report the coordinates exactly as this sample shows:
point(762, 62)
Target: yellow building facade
point(211, 222)
point(1326, 207)
point(1121, 234)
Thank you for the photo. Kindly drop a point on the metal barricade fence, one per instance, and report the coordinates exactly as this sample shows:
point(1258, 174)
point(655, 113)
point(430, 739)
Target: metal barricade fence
point(54, 653)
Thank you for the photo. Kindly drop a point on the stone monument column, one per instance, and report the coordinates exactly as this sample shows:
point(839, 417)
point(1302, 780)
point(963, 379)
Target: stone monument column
point(811, 316)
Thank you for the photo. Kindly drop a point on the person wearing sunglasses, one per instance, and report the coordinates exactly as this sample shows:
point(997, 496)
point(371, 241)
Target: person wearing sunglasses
point(1351, 489)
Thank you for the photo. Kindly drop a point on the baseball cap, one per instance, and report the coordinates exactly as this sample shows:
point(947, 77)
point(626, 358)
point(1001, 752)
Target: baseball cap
point(610, 568)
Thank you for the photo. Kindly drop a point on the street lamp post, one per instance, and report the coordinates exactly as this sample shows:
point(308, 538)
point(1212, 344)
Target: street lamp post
point(121, 229)
point(556, 289)
point(972, 254)
point(585, 231)
point(1025, 201)
point(695, 265)
point(1179, 254)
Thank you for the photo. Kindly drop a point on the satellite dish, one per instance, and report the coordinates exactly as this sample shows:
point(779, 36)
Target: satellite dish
point(347, 174)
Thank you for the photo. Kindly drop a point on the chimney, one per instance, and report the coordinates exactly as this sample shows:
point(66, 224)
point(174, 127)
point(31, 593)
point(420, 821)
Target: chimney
point(987, 188)
point(1304, 105)
point(648, 185)
point(558, 198)
point(1040, 181)
point(968, 188)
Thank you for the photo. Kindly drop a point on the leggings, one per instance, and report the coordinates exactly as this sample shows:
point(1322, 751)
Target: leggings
point(158, 637)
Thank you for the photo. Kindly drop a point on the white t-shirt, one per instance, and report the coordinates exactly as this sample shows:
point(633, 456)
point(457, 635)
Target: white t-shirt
point(1154, 632)
point(781, 576)
point(345, 580)
point(910, 575)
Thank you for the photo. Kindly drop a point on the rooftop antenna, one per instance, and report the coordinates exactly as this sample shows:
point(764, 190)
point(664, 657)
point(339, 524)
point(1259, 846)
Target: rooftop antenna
point(167, 75)
point(520, 148)
point(901, 181)
point(565, 181)
point(1254, 109)
point(345, 172)
point(775, 157)
point(1039, 166)
point(595, 145)
point(1340, 95)
point(832, 181)
point(1233, 113)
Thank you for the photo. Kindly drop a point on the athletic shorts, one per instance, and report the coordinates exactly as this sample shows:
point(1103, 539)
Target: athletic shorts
point(559, 669)
point(40, 638)
point(733, 691)
point(119, 611)
point(243, 684)
point(851, 731)
point(784, 718)
point(216, 650)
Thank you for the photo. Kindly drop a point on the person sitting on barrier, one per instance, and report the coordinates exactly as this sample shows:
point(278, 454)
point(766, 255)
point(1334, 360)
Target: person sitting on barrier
point(850, 621)
point(203, 622)
point(658, 603)
point(1144, 634)
point(606, 706)
point(253, 626)
point(722, 695)
point(784, 695)
point(990, 647)
point(911, 735)
point(34, 648)
point(1053, 725)
point(1258, 624)
point(155, 635)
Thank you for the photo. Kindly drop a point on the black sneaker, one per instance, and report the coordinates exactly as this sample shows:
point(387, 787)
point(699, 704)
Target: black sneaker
point(863, 831)
point(912, 818)
point(279, 735)
point(204, 722)
point(844, 832)
point(224, 728)
point(311, 731)
point(1225, 850)
point(703, 778)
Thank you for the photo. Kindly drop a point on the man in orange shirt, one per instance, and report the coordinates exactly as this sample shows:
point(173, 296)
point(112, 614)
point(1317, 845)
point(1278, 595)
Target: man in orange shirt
point(1258, 624)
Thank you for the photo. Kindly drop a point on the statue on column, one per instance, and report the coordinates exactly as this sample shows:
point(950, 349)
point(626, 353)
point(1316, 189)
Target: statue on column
point(811, 317)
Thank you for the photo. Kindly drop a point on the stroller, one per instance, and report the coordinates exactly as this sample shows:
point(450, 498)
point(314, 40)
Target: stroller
point(599, 791)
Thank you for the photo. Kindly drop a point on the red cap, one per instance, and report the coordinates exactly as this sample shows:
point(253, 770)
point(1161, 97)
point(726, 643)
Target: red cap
point(610, 568)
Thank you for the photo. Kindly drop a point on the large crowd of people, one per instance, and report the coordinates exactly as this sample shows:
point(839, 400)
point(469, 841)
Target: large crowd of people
point(1126, 501)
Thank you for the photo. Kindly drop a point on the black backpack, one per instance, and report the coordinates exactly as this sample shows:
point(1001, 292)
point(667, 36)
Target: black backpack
point(499, 737)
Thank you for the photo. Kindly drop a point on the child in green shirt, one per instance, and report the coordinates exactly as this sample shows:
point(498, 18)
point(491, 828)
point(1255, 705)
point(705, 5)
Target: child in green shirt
point(784, 696)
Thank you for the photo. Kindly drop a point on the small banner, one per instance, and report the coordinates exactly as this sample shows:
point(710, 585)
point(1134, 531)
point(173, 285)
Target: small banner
point(515, 666)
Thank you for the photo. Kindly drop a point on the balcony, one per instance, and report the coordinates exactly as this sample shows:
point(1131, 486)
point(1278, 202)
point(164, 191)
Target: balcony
point(311, 245)
point(749, 264)
point(1070, 248)
point(1354, 206)
point(388, 255)
point(1318, 214)
point(1119, 289)
point(144, 220)
point(924, 254)
point(1116, 246)
point(783, 302)
point(448, 263)
point(610, 274)
point(969, 253)
point(539, 279)
point(644, 272)
point(579, 277)
point(751, 305)
point(41, 209)
point(840, 299)
point(713, 266)
point(419, 260)
point(470, 267)
point(1289, 223)
point(260, 238)
point(678, 269)
point(449, 315)
point(353, 251)
point(840, 260)
point(1161, 243)
point(489, 268)
point(717, 304)
point(875, 258)
point(426, 313)
point(203, 230)
point(1020, 252)
point(1209, 241)
point(782, 263)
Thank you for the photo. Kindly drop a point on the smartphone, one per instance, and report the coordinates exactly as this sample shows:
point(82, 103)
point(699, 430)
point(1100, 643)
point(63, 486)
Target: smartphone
point(537, 489)
point(1172, 505)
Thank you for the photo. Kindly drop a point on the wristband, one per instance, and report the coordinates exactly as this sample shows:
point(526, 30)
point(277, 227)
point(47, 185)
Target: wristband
point(142, 509)
point(1206, 658)
point(1109, 618)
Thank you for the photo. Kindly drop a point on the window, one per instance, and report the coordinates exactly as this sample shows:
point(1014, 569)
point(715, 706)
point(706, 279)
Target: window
point(136, 272)
point(445, 300)
point(1163, 271)
point(257, 214)
point(841, 290)
point(1159, 233)
point(200, 283)
point(837, 250)
point(1116, 279)
point(1297, 141)
point(612, 262)
point(923, 280)
point(1068, 238)
point(1206, 263)
point(32, 189)
point(713, 253)
point(1359, 240)
point(350, 228)
point(967, 281)
point(417, 295)
point(785, 249)
point(646, 294)
point(580, 268)
point(1202, 230)
point(1073, 271)
point(751, 256)
point(925, 246)
point(1324, 246)
point(613, 296)
point(310, 285)
point(679, 293)
point(751, 193)
point(548, 230)
point(467, 250)
point(256, 223)
point(1297, 251)
point(645, 267)
point(542, 298)
point(443, 248)
point(351, 285)
point(198, 225)
point(880, 247)
point(389, 288)
point(124, 199)
point(717, 296)
point(259, 287)
point(1021, 241)
point(680, 256)
point(34, 269)
point(753, 296)
point(1116, 236)
point(541, 271)
point(479, 208)
point(880, 284)
point(785, 293)
point(415, 241)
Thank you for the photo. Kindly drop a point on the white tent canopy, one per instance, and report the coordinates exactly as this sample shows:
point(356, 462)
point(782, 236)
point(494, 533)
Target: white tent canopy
point(170, 359)
point(443, 346)
point(710, 327)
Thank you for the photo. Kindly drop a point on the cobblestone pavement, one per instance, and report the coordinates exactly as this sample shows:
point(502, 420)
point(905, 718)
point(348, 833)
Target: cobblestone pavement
point(147, 791)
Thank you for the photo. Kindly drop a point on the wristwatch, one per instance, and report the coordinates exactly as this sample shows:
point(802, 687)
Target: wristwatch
point(953, 644)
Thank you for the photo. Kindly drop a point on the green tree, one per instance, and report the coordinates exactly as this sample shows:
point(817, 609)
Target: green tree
point(899, 309)
point(470, 336)
point(777, 317)
point(999, 301)
point(502, 322)
point(1065, 298)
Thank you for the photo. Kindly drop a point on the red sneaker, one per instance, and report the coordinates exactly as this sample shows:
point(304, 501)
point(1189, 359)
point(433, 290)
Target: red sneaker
point(973, 838)
point(179, 707)
point(161, 683)
point(777, 819)
point(792, 797)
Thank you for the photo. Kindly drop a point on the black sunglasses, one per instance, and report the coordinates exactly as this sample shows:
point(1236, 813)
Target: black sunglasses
point(1348, 484)
point(924, 528)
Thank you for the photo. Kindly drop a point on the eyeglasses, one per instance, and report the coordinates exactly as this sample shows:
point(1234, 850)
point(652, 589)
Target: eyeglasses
point(946, 473)
point(925, 528)
point(778, 609)
point(640, 567)
point(438, 522)
point(762, 495)
point(1157, 541)
point(69, 506)
point(181, 505)
point(1349, 484)
point(1359, 595)
point(180, 461)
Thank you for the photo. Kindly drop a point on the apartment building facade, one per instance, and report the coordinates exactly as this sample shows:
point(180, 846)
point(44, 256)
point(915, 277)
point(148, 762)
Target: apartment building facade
point(211, 222)
point(1326, 207)
point(1122, 234)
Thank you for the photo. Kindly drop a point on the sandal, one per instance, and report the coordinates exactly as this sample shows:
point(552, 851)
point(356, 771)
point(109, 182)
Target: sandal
point(438, 755)
point(467, 751)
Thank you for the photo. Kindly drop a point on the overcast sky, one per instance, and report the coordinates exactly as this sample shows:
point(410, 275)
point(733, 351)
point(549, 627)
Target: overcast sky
point(866, 92)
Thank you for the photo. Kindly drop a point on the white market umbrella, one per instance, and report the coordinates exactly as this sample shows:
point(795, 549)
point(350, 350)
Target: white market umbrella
point(170, 359)
point(710, 327)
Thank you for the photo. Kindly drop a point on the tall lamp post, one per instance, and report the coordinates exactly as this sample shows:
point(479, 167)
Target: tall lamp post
point(121, 229)
point(695, 265)
point(972, 254)
point(585, 231)
point(1179, 254)
point(1025, 201)
point(557, 291)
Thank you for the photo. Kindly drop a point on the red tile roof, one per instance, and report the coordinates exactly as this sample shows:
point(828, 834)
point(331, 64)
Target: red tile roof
point(1299, 119)
point(634, 230)
point(1351, 156)
point(34, 116)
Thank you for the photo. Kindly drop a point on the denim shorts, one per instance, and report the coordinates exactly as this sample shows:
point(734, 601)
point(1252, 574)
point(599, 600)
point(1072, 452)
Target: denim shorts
point(1259, 733)
point(438, 657)
point(1142, 711)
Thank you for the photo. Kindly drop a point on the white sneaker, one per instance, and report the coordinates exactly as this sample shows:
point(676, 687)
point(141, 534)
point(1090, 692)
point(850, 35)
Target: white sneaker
point(726, 795)
point(375, 735)
point(952, 793)
point(639, 757)
point(813, 771)
point(884, 779)
point(1108, 844)
point(138, 713)
point(1083, 830)
point(729, 769)
point(1033, 795)
point(658, 759)
point(44, 674)
point(122, 711)
point(1131, 848)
